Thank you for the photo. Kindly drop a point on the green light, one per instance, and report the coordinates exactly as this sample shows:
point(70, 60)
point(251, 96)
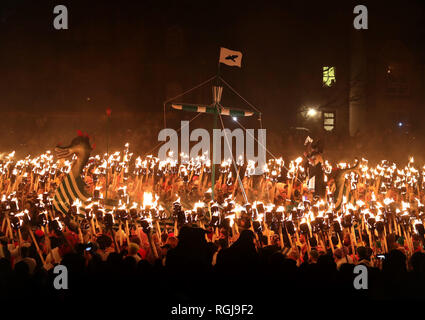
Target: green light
point(329, 78)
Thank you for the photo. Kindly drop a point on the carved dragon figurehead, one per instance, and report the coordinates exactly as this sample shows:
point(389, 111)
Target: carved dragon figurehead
point(72, 185)
point(80, 146)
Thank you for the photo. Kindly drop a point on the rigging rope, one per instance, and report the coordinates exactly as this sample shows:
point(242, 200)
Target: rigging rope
point(233, 159)
point(186, 92)
point(265, 148)
point(237, 93)
point(181, 127)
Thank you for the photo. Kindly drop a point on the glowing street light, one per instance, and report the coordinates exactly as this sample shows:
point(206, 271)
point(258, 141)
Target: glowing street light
point(311, 112)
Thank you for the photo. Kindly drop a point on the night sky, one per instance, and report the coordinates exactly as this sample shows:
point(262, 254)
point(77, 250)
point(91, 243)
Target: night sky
point(133, 55)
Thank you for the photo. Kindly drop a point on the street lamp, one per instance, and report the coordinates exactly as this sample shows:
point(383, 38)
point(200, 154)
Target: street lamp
point(311, 112)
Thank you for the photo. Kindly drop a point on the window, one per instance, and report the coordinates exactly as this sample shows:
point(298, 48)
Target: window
point(329, 121)
point(329, 78)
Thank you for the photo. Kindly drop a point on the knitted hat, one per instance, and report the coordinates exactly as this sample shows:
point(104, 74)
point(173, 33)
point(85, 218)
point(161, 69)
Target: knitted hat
point(39, 233)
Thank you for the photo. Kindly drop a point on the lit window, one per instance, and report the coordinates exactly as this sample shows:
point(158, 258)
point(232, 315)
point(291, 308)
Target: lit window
point(329, 76)
point(329, 121)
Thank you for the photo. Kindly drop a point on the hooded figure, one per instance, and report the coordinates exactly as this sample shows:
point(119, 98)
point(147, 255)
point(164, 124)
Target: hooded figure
point(315, 172)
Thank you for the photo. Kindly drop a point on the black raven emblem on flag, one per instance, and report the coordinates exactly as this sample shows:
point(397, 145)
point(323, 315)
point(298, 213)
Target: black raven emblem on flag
point(232, 57)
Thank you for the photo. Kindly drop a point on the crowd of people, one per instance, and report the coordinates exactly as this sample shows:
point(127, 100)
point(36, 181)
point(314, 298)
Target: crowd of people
point(161, 232)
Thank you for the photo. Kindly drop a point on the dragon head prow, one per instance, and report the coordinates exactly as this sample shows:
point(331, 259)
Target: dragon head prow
point(80, 146)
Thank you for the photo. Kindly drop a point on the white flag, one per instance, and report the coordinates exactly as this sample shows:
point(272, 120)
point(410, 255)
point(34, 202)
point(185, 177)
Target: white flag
point(230, 57)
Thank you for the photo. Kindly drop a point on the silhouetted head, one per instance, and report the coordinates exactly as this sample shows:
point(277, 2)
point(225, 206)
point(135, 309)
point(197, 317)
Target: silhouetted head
point(245, 241)
point(191, 237)
point(104, 241)
point(417, 261)
point(396, 262)
point(326, 263)
point(364, 253)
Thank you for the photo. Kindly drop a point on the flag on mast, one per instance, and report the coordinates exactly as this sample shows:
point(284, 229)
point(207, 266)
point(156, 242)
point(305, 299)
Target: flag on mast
point(230, 57)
